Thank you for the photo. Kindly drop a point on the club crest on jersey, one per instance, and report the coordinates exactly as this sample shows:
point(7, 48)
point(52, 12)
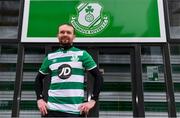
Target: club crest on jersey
point(75, 58)
point(65, 71)
point(90, 18)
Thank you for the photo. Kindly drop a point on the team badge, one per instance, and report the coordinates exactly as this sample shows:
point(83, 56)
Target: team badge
point(90, 19)
point(75, 58)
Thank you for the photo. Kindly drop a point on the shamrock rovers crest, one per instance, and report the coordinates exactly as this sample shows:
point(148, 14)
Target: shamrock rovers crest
point(90, 19)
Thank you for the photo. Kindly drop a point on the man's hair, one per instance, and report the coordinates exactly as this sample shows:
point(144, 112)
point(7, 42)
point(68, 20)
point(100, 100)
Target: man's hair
point(68, 24)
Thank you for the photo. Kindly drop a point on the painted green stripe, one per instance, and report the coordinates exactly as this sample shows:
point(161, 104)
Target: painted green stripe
point(66, 100)
point(104, 106)
point(117, 86)
point(156, 106)
point(67, 85)
point(127, 106)
point(28, 67)
point(9, 86)
point(176, 87)
point(28, 105)
point(5, 105)
point(115, 106)
point(126, 86)
point(154, 87)
point(75, 71)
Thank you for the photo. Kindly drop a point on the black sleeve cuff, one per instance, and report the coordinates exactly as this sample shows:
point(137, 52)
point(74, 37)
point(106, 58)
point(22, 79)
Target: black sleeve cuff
point(98, 83)
point(39, 97)
point(38, 85)
point(95, 98)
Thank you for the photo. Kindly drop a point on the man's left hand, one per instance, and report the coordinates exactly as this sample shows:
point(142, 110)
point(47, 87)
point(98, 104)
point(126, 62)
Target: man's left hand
point(85, 107)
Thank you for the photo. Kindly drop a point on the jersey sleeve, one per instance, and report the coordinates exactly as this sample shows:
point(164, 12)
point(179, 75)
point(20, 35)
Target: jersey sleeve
point(88, 61)
point(44, 69)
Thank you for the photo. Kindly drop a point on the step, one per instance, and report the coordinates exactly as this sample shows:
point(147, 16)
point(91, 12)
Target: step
point(103, 59)
point(108, 77)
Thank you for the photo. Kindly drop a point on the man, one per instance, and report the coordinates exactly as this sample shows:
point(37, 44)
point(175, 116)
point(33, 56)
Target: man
point(66, 67)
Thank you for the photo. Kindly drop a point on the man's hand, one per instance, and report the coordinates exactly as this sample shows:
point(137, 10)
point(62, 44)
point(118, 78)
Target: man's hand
point(85, 107)
point(42, 105)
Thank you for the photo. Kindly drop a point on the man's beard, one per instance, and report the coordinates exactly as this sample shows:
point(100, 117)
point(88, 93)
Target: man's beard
point(65, 42)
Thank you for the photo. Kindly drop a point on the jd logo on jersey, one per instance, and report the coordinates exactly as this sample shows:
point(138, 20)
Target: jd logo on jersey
point(65, 71)
point(90, 19)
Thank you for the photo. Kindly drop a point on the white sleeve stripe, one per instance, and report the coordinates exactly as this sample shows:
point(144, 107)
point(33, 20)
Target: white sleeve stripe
point(43, 73)
point(92, 67)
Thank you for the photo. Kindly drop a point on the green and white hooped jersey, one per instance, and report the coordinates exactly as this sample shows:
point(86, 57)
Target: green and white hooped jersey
point(67, 69)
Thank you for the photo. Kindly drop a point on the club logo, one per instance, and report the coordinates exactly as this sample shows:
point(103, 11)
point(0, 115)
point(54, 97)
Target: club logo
point(75, 58)
point(90, 19)
point(65, 71)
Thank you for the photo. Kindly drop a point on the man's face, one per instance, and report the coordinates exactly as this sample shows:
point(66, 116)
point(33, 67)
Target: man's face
point(66, 35)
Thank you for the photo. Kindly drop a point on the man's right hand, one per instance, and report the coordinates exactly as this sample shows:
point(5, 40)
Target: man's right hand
point(42, 105)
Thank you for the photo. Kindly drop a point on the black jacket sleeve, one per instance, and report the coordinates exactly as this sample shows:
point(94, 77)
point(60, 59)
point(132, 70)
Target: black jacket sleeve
point(38, 85)
point(98, 83)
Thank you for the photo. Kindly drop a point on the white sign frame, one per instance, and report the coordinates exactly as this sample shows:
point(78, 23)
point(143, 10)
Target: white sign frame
point(160, 39)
